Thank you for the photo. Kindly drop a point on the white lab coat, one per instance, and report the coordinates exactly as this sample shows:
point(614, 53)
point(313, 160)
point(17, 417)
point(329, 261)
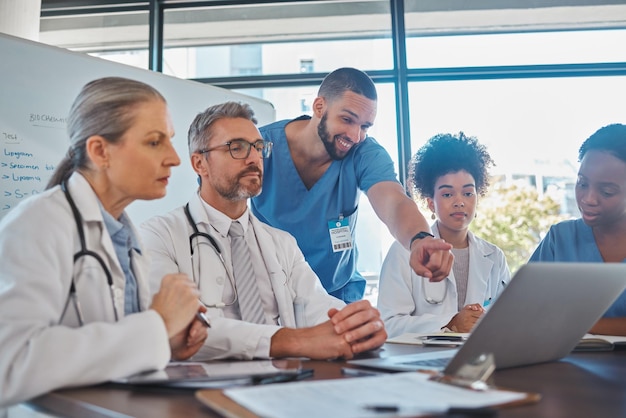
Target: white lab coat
point(401, 299)
point(300, 296)
point(39, 350)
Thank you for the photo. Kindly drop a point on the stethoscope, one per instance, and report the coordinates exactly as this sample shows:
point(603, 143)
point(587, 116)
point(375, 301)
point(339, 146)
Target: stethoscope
point(430, 299)
point(197, 234)
point(84, 252)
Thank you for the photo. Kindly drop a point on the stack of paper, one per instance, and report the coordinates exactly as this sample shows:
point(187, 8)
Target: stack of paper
point(399, 394)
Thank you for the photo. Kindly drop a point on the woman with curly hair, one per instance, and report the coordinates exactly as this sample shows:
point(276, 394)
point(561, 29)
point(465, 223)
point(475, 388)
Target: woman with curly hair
point(449, 172)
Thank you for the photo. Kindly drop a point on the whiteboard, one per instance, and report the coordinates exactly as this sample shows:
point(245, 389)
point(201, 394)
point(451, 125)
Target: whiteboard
point(39, 83)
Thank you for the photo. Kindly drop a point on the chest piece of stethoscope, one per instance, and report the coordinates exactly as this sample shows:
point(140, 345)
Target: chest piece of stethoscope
point(431, 299)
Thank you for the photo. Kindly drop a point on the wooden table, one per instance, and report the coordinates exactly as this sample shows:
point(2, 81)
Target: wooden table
point(581, 385)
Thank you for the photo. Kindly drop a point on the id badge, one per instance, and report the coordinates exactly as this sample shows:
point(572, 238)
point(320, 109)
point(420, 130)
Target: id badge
point(340, 236)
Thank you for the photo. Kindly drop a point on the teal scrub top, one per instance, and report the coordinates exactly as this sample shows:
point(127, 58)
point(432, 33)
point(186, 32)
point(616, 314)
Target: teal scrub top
point(286, 203)
point(573, 241)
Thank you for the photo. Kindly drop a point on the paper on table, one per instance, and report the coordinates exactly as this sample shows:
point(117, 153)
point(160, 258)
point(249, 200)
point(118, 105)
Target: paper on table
point(597, 342)
point(412, 393)
point(418, 338)
point(615, 339)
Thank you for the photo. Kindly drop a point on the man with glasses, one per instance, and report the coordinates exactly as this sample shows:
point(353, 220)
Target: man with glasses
point(262, 298)
point(313, 181)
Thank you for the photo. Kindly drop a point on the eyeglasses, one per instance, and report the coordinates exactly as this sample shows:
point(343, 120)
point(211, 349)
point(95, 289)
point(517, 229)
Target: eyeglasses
point(240, 148)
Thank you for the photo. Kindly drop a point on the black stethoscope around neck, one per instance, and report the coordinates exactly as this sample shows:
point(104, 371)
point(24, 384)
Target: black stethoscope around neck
point(84, 252)
point(195, 235)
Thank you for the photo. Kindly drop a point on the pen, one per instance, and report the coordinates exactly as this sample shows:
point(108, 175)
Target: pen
point(204, 319)
point(452, 412)
point(356, 372)
point(382, 408)
point(264, 380)
point(471, 412)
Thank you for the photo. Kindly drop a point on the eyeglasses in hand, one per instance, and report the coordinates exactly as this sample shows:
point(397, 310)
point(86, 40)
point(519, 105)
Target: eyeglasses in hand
point(240, 148)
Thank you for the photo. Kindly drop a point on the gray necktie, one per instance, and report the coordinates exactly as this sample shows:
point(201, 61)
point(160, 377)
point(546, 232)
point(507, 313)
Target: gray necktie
point(245, 282)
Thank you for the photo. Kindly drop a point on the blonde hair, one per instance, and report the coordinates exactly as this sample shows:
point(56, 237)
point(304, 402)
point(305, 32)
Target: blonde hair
point(103, 107)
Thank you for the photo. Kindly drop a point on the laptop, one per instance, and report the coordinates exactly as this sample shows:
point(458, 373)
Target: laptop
point(539, 317)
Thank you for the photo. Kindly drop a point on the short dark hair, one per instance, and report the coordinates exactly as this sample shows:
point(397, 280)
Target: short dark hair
point(345, 79)
point(610, 138)
point(447, 153)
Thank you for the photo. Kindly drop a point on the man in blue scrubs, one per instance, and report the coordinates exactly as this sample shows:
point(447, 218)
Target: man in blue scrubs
point(313, 179)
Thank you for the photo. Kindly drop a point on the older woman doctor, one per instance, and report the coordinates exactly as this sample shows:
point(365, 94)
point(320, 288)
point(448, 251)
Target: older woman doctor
point(75, 308)
point(449, 172)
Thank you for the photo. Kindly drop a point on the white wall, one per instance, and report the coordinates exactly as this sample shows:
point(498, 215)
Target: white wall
point(20, 18)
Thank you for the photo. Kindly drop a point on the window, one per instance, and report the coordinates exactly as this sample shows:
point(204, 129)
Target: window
point(521, 79)
point(306, 66)
point(332, 34)
point(571, 47)
point(121, 37)
point(531, 127)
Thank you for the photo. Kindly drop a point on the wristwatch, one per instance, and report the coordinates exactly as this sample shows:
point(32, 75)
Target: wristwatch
point(420, 235)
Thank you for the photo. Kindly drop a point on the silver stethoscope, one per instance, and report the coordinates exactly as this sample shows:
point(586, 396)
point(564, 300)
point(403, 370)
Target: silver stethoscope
point(430, 299)
point(195, 235)
point(84, 252)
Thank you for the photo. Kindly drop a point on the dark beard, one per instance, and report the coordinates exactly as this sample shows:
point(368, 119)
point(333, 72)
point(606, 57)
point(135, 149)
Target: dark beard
point(329, 144)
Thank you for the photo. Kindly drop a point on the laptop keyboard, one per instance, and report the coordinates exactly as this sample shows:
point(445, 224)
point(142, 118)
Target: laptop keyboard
point(436, 362)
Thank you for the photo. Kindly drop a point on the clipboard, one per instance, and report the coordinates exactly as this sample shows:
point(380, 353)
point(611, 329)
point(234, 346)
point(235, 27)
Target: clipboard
point(218, 402)
point(223, 402)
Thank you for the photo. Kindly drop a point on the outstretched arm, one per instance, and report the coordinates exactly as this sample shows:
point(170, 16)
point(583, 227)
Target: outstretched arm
point(430, 257)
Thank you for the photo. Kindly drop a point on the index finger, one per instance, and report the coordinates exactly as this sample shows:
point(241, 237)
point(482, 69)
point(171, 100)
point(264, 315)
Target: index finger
point(428, 256)
point(441, 270)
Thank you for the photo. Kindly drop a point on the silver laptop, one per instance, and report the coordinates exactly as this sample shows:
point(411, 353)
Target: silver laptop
point(541, 316)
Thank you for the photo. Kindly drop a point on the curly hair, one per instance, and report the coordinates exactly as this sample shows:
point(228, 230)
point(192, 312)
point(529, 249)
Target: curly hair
point(446, 153)
point(610, 138)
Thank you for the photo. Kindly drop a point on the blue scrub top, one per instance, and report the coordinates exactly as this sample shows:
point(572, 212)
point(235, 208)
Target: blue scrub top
point(286, 203)
point(573, 241)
